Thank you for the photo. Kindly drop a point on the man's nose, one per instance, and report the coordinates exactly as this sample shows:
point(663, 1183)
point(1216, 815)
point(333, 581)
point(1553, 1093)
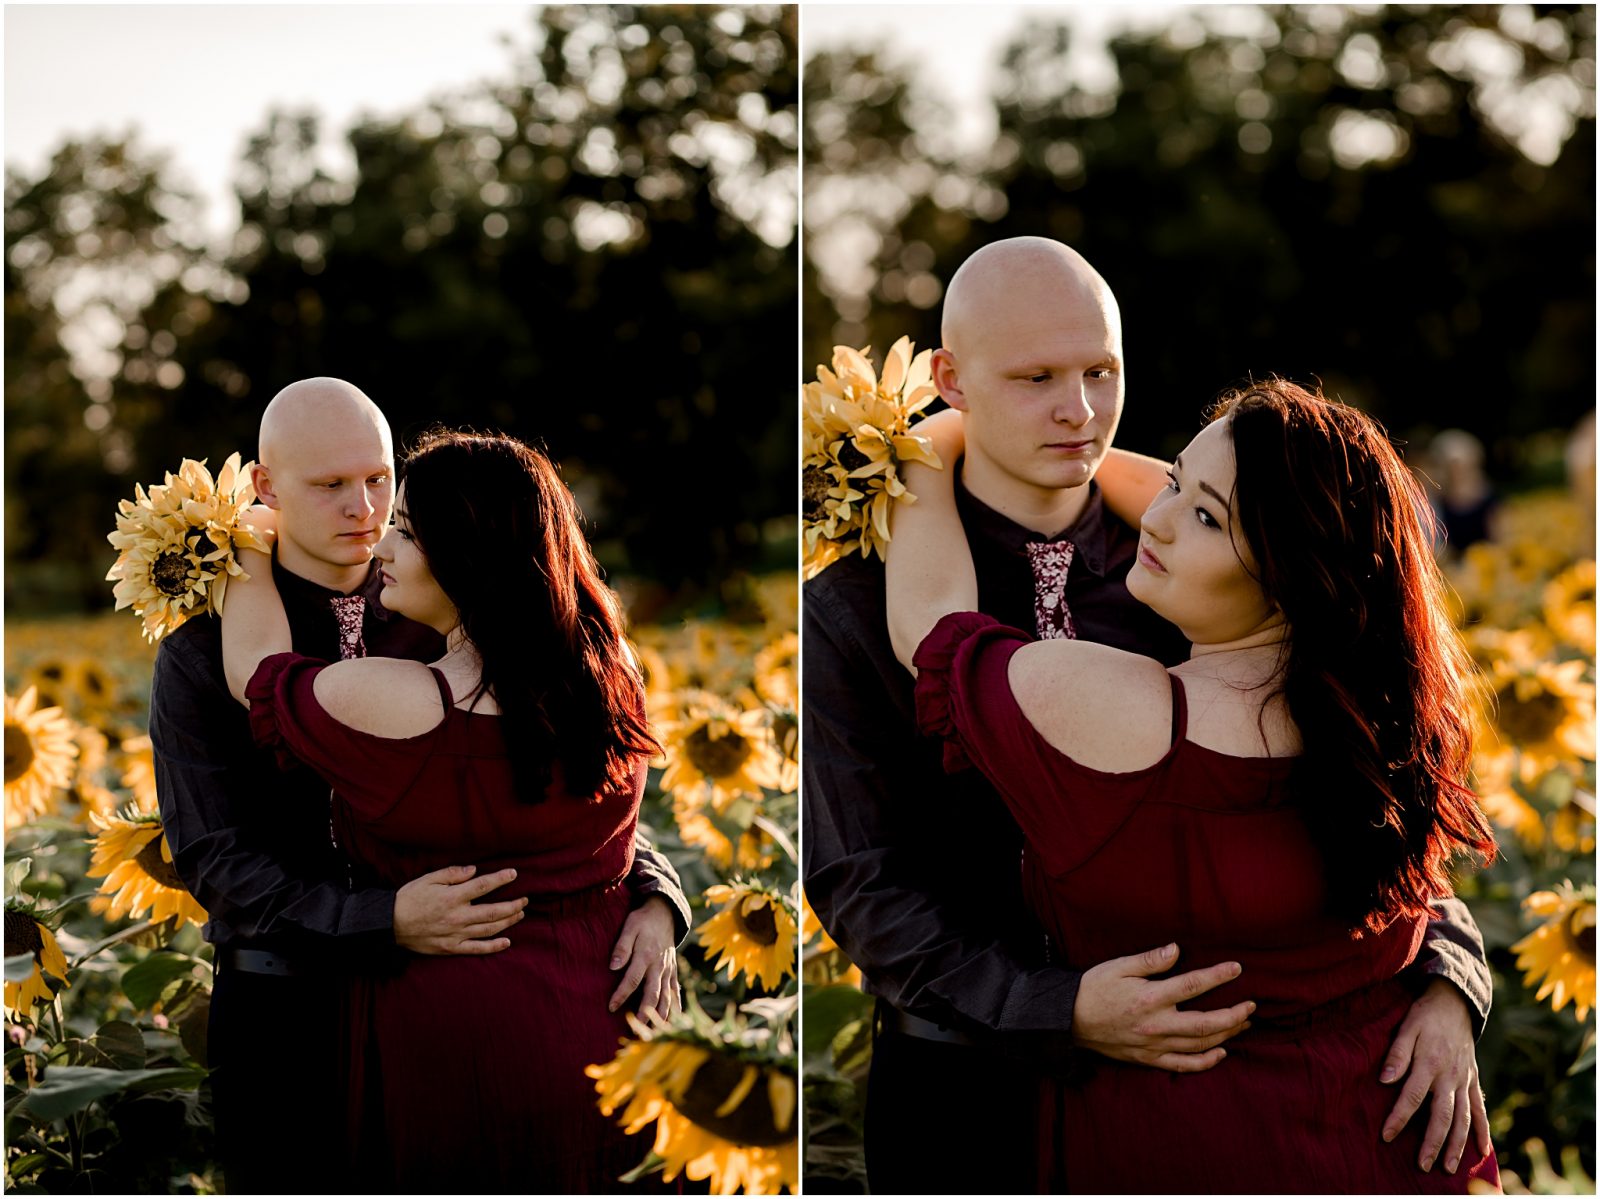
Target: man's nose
point(362, 505)
point(1073, 407)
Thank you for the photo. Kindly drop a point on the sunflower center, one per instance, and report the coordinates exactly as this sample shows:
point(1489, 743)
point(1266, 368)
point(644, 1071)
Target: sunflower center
point(717, 757)
point(22, 934)
point(759, 924)
point(157, 867)
point(170, 574)
point(1584, 938)
point(815, 483)
point(851, 458)
point(751, 1123)
point(19, 753)
point(1533, 720)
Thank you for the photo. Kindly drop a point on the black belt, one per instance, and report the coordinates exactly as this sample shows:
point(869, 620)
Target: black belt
point(259, 961)
point(892, 1019)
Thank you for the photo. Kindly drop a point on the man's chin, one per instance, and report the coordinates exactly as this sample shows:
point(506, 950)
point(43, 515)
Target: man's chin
point(351, 553)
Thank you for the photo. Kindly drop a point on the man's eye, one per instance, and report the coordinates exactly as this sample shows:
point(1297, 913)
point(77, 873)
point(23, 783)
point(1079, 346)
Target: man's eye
point(1101, 372)
point(1041, 377)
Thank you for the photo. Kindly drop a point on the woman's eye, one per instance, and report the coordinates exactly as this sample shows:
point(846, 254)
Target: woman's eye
point(1172, 482)
point(1206, 518)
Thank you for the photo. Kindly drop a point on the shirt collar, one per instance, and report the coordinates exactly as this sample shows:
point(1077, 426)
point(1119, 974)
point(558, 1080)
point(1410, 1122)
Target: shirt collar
point(1088, 533)
point(297, 590)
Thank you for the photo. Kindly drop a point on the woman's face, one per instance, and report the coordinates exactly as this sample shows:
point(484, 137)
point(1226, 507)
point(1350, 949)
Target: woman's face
point(1194, 567)
point(409, 587)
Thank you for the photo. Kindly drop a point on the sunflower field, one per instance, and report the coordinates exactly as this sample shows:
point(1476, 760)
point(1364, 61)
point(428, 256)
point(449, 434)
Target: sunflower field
point(108, 980)
point(1526, 606)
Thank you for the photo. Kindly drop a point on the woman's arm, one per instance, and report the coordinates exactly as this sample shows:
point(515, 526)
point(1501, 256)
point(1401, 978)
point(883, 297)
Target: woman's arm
point(929, 565)
point(1129, 482)
point(254, 624)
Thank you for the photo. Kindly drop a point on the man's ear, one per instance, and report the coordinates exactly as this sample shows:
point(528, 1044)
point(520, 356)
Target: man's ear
point(261, 478)
point(947, 379)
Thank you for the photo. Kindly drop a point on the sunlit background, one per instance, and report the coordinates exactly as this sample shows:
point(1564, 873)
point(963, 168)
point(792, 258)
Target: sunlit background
point(576, 224)
point(1396, 201)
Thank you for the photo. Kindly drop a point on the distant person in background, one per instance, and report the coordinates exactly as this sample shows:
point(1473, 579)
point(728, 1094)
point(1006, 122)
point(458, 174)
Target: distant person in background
point(1580, 469)
point(1464, 500)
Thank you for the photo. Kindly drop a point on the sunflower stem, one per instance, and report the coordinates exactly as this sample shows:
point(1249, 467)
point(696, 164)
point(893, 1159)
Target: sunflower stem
point(777, 834)
point(126, 934)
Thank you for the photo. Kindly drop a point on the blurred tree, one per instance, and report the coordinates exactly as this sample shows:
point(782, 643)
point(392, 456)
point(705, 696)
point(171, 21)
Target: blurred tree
point(1399, 201)
point(86, 246)
point(596, 252)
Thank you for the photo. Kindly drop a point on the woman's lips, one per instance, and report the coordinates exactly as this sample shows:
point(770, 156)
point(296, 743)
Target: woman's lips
point(386, 578)
point(1149, 561)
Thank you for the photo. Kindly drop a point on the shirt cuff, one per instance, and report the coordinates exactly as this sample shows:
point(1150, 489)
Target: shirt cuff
point(651, 887)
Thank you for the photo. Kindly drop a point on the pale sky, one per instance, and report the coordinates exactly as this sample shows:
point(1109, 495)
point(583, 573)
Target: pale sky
point(198, 79)
point(956, 47)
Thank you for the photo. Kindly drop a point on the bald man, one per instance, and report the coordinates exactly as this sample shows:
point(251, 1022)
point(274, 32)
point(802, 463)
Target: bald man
point(289, 917)
point(914, 872)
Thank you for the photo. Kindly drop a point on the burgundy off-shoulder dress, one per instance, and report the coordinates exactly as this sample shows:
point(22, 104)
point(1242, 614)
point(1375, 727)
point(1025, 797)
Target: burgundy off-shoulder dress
point(1200, 848)
point(466, 1072)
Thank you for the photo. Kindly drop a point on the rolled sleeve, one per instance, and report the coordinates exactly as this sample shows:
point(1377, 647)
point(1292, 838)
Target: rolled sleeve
point(651, 877)
point(874, 870)
point(240, 833)
point(1452, 949)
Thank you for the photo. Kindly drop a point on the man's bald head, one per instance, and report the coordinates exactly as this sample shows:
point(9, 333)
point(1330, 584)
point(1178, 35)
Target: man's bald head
point(1022, 278)
point(326, 463)
point(1032, 355)
point(314, 411)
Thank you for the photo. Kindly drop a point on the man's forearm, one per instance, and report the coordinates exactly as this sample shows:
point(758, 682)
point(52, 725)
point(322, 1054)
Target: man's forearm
point(1452, 949)
point(652, 876)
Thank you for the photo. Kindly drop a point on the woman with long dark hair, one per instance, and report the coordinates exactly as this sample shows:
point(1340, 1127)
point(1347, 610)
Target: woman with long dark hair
point(1290, 799)
point(524, 746)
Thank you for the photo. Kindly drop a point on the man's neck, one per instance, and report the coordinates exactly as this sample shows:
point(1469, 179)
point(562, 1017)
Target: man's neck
point(335, 577)
point(1044, 510)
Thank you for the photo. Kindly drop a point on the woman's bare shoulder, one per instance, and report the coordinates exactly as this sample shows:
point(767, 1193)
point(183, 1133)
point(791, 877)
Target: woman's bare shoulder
point(1104, 708)
point(387, 697)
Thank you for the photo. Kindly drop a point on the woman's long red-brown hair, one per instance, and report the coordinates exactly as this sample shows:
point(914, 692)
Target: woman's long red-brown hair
point(1375, 676)
point(503, 538)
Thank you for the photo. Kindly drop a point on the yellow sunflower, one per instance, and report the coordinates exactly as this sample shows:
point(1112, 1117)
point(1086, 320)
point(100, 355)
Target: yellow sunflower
point(89, 792)
point(753, 934)
point(139, 772)
point(718, 1116)
point(825, 962)
point(1569, 605)
point(132, 854)
point(716, 751)
point(1494, 775)
point(177, 544)
point(1561, 950)
point(1546, 710)
point(776, 667)
point(39, 755)
point(855, 433)
point(26, 934)
point(696, 826)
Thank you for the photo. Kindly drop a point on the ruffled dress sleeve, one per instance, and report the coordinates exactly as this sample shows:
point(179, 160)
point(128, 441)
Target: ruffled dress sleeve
point(368, 772)
point(963, 696)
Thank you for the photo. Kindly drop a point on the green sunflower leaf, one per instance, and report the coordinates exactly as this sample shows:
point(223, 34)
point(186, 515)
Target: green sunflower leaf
point(143, 983)
point(68, 1089)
